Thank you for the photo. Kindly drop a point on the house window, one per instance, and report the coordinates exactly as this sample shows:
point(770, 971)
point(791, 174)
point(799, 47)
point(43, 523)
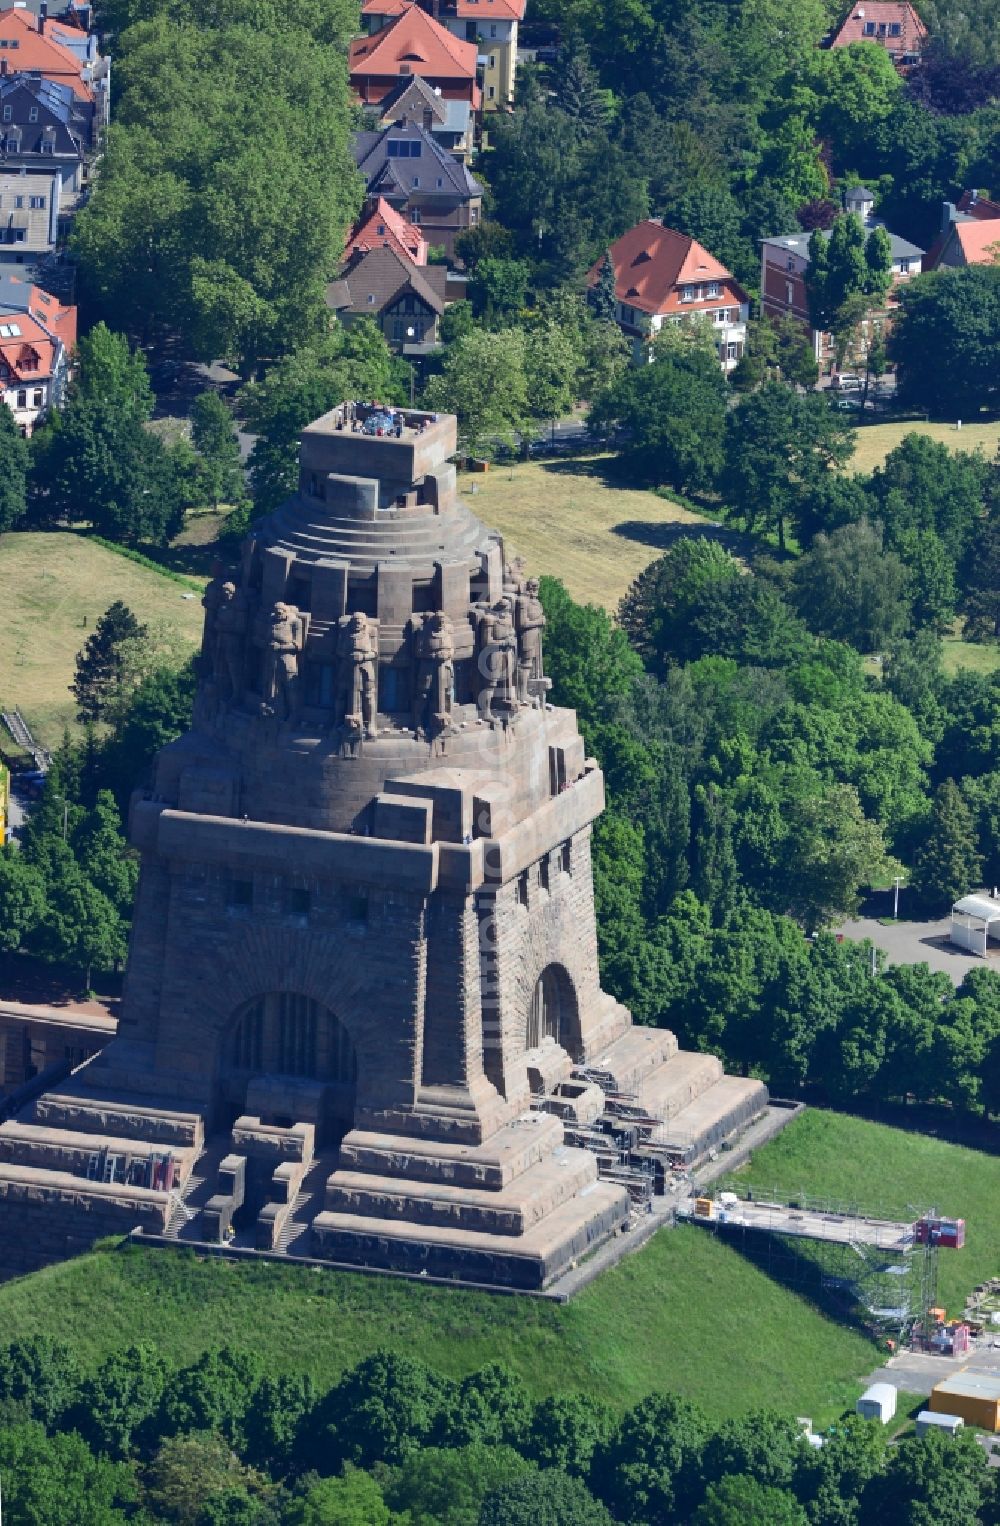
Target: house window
point(731, 351)
point(37, 203)
point(904, 267)
point(566, 857)
point(869, 29)
point(493, 31)
point(490, 92)
point(22, 399)
point(789, 293)
point(790, 262)
point(33, 114)
point(8, 112)
point(38, 397)
point(543, 873)
point(46, 146)
point(18, 201)
point(895, 30)
point(415, 182)
point(688, 293)
point(882, 29)
point(371, 299)
point(413, 214)
point(440, 182)
point(492, 61)
point(522, 889)
point(713, 289)
point(473, 216)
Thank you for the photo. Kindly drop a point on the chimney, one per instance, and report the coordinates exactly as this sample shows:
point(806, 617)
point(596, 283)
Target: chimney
point(949, 214)
point(43, 11)
point(3, 66)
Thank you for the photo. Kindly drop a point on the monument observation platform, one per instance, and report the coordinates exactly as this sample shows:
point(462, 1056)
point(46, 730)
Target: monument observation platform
point(362, 1018)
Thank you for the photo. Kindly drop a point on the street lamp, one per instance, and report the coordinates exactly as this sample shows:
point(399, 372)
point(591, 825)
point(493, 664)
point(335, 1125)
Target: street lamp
point(897, 881)
point(410, 334)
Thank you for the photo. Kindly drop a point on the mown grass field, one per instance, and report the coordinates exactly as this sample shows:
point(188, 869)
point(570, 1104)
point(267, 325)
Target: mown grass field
point(685, 1313)
point(55, 588)
point(876, 440)
point(566, 519)
point(881, 1168)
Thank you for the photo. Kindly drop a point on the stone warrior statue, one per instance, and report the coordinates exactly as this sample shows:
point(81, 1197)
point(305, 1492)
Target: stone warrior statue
point(357, 659)
point(434, 673)
point(281, 676)
point(530, 621)
point(497, 659)
point(230, 635)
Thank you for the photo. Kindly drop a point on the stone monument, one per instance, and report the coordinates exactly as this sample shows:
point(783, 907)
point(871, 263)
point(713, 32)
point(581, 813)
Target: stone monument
point(362, 1018)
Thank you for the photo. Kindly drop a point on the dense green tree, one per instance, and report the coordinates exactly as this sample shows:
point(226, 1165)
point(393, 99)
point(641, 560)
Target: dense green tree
point(565, 1429)
point(674, 411)
point(848, 587)
point(947, 864)
point(57, 1481)
point(22, 899)
point(578, 93)
point(761, 1443)
point(213, 1394)
point(934, 1478)
point(13, 472)
point(220, 474)
point(277, 1411)
point(499, 290)
point(604, 297)
point(40, 1378)
point(381, 1411)
point(650, 1468)
point(778, 446)
point(120, 1399)
point(980, 602)
point(552, 363)
point(104, 665)
point(492, 1407)
point(354, 1499)
point(549, 1498)
point(931, 574)
point(922, 485)
point(742, 1500)
point(186, 1471)
point(446, 1486)
point(484, 381)
point(945, 339)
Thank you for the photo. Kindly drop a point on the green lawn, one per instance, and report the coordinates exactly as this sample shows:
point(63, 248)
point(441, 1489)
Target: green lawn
point(55, 587)
point(875, 441)
point(886, 1168)
point(685, 1313)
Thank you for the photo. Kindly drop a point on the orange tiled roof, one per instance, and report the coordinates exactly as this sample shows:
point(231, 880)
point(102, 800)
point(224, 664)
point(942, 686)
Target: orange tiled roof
point(884, 13)
point(465, 10)
point(29, 354)
point(652, 263)
point(32, 53)
point(980, 241)
point(385, 228)
point(413, 43)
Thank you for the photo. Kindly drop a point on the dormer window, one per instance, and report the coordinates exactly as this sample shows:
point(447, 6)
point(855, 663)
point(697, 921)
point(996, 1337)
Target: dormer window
point(869, 29)
point(713, 288)
point(895, 30)
point(33, 114)
point(641, 257)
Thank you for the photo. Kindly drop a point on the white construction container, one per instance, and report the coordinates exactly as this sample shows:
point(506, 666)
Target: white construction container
point(877, 1403)
point(930, 1420)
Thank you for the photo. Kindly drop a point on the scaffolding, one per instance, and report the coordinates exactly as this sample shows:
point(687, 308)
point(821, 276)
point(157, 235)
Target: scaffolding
point(871, 1262)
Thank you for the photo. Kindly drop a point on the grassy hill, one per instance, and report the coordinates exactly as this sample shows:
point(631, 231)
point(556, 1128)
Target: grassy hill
point(685, 1313)
point(881, 1168)
point(55, 588)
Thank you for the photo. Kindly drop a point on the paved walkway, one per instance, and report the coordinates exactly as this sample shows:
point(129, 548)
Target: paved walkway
point(919, 943)
point(917, 1372)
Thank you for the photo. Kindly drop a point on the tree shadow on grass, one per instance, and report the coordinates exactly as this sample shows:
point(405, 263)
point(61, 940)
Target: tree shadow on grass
point(663, 537)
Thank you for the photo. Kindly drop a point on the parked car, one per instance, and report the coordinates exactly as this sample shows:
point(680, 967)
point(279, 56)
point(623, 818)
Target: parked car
point(847, 382)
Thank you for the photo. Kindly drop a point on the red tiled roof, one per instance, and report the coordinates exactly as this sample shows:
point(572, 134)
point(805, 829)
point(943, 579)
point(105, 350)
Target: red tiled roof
point(884, 13)
point(413, 43)
point(40, 329)
point(465, 10)
point(35, 54)
point(652, 263)
point(384, 228)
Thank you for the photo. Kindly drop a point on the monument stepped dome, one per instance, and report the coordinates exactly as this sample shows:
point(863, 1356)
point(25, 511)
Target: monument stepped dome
point(363, 1019)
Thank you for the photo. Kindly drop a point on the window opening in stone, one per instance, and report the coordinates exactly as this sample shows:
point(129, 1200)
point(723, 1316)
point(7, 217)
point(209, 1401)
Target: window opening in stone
point(361, 598)
point(522, 888)
point(566, 857)
point(358, 908)
point(241, 892)
point(300, 593)
point(298, 902)
point(286, 1033)
point(543, 873)
point(545, 1012)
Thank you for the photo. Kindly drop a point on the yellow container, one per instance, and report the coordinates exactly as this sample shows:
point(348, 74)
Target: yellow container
point(973, 1395)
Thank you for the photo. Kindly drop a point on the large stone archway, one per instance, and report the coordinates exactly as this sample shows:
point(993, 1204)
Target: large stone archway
point(553, 1011)
point(299, 1048)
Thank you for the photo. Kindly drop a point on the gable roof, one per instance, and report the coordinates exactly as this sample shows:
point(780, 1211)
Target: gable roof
point(394, 177)
point(43, 324)
point(28, 51)
point(376, 279)
point(651, 262)
point(413, 43)
point(464, 10)
point(882, 13)
point(382, 227)
point(412, 92)
point(798, 243)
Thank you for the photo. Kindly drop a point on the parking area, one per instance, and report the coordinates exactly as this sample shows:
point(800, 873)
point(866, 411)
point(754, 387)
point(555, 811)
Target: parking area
point(919, 943)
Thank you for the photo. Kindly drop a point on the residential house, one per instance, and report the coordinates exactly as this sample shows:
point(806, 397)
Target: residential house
point(413, 43)
point(382, 227)
point(37, 336)
point(407, 167)
point(415, 102)
point(29, 224)
point(58, 50)
point(785, 262)
point(404, 299)
point(45, 125)
point(491, 24)
point(970, 234)
point(890, 24)
point(663, 277)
